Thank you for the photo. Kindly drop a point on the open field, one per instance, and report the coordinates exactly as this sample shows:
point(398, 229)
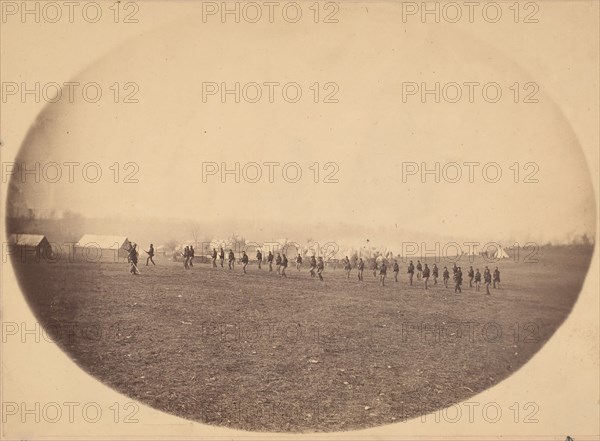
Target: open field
point(259, 352)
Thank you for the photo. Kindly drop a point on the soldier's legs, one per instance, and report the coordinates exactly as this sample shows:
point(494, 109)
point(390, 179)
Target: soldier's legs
point(470, 282)
point(426, 279)
point(410, 276)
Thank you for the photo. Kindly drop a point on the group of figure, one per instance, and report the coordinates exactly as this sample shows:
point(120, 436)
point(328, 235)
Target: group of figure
point(423, 273)
point(281, 262)
point(317, 266)
point(133, 255)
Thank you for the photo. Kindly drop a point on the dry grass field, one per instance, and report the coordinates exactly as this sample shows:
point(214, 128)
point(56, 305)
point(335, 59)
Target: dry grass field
point(263, 353)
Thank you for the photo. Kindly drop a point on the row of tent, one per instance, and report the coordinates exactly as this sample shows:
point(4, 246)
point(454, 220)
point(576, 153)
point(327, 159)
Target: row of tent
point(95, 247)
point(91, 247)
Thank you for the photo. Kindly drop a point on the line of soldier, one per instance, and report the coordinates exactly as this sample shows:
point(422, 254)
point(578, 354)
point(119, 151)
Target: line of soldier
point(317, 267)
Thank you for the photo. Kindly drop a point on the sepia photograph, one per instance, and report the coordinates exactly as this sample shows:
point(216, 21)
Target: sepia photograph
point(321, 220)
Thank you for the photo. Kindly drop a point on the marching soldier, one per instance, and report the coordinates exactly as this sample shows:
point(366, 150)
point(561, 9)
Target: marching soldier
point(434, 273)
point(375, 267)
point(231, 260)
point(191, 253)
point(284, 264)
point(278, 263)
point(222, 256)
point(419, 270)
point(186, 257)
point(313, 266)
point(150, 254)
point(471, 275)
point(360, 266)
point(270, 261)
point(487, 279)
point(347, 267)
point(133, 260)
point(426, 275)
point(244, 261)
point(298, 262)
point(396, 269)
point(259, 258)
point(411, 272)
point(496, 278)
point(458, 280)
point(477, 279)
point(382, 272)
point(446, 276)
point(320, 268)
point(214, 258)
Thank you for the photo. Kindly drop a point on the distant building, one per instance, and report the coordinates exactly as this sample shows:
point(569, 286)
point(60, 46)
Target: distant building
point(24, 245)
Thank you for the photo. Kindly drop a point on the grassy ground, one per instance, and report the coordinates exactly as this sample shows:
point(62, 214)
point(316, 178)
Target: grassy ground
point(259, 352)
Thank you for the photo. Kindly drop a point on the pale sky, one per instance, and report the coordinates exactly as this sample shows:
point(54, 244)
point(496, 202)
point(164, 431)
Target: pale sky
point(369, 134)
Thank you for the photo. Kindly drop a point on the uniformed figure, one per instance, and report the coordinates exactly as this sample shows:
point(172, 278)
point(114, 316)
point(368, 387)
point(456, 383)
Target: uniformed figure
point(284, 264)
point(150, 253)
point(454, 269)
point(411, 272)
point(244, 261)
point(259, 258)
point(471, 275)
point(426, 275)
point(487, 279)
point(477, 279)
point(419, 270)
point(231, 260)
point(214, 257)
point(347, 267)
point(278, 263)
point(458, 280)
point(298, 262)
point(320, 268)
point(396, 269)
point(270, 260)
point(191, 263)
point(133, 260)
point(496, 278)
point(374, 267)
point(313, 266)
point(446, 276)
point(382, 272)
point(186, 257)
point(360, 267)
point(222, 256)
point(434, 273)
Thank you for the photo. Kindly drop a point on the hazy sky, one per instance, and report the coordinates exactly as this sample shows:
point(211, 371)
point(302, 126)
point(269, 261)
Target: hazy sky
point(368, 135)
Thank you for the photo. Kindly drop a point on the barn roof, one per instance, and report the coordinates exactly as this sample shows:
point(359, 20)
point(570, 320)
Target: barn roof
point(28, 240)
point(103, 241)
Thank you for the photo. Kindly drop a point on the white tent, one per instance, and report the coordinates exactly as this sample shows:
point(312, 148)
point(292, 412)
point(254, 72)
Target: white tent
point(500, 254)
point(102, 248)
